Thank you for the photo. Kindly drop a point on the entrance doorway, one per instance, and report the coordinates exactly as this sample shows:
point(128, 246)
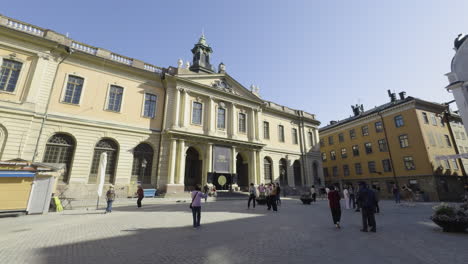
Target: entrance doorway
point(297, 173)
point(193, 169)
point(242, 168)
point(283, 170)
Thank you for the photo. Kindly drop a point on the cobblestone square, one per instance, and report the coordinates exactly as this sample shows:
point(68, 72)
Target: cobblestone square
point(161, 232)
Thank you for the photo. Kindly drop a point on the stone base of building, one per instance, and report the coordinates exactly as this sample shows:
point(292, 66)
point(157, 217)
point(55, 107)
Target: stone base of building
point(175, 190)
point(89, 191)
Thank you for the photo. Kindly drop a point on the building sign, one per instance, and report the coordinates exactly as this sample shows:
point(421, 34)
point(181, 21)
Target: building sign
point(221, 159)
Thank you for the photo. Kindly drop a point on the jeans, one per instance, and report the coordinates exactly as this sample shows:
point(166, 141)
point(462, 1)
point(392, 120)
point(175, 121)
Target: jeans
point(139, 201)
point(196, 213)
point(352, 201)
point(271, 202)
point(397, 197)
point(336, 215)
point(368, 218)
point(109, 205)
point(251, 197)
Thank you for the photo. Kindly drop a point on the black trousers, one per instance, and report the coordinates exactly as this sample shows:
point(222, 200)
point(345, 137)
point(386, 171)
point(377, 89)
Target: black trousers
point(336, 215)
point(377, 208)
point(271, 202)
point(352, 201)
point(196, 213)
point(368, 218)
point(139, 201)
point(251, 198)
point(314, 197)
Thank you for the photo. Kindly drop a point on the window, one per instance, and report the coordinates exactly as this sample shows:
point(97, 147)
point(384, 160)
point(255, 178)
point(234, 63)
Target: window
point(267, 170)
point(332, 155)
point(378, 126)
point(463, 136)
point(352, 133)
point(355, 150)
point(431, 139)
point(281, 133)
point(454, 164)
point(73, 91)
point(371, 166)
point(365, 130)
point(330, 140)
point(425, 119)
point(433, 119)
point(335, 171)
point(294, 135)
point(403, 141)
point(197, 110)
point(368, 147)
point(324, 156)
point(343, 153)
point(266, 130)
point(311, 139)
point(387, 167)
point(447, 164)
point(221, 118)
point(60, 149)
point(441, 119)
point(409, 163)
point(399, 121)
point(447, 140)
point(9, 74)
point(243, 124)
point(358, 168)
point(341, 137)
point(111, 148)
point(142, 163)
point(150, 105)
point(325, 172)
point(345, 170)
point(322, 142)
point(457, 135)
point(115, 98)
point(382, 145)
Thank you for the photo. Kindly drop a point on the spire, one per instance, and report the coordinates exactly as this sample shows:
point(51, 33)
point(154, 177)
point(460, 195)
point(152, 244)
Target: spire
point(202, 40)
point(201, 56)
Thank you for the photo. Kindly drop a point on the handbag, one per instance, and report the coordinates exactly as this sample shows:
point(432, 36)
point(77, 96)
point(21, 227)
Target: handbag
point(193, 199)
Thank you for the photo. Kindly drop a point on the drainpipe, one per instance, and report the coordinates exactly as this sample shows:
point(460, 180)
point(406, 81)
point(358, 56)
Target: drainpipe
point(303, 148)
point(389, 150)
point(163, 127)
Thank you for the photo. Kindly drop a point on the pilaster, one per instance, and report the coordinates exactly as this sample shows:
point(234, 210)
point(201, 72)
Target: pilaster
point(211, 116)
point(233, 121)
point(172, 161)
point(181, 159)
point(186, 109)
point(177, 109)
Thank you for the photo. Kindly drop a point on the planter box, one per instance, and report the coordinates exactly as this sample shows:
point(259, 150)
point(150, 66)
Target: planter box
point(451, 226)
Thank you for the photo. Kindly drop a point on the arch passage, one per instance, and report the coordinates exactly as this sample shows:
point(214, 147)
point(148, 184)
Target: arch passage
point(297, 173)
point(60, 149)
point(111, 148)
point(142, 163)
point(283, 170)
point(268, 169)
point(242, 168)
point(193, 169)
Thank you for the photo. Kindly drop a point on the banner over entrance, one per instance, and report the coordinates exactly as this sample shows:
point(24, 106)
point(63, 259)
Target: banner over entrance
point(222, 159)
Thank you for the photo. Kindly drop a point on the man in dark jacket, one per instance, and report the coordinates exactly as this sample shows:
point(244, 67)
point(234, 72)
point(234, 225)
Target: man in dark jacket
point(335, 207)
point(368, 202)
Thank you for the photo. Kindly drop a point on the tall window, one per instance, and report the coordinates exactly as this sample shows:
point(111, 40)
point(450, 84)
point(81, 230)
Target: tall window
point(335, 171)
point(454, 164)
point(433, 119)
point(425, 119)
point(115, 98)
point(332, 155)
point(150, 105)
point(343, 153)
point(441, 120)
point(358, 168)
point(352, 133)
point(281, 133)
point(403, 141)
point(399, 121)
point(368, 147)
point(365, 130)
point(355, 150)
point(142, 163)
point(387, 167)
point(267, 169)
point(409, 163)
point(324, 156)
point(447, 164)
point(447, 140)
point(322, 142)
point(242, 123)
point(60, 149)
point(383, 145)
point(9, 74)
point(221, 124)
point(325, 172)
point(341, 137)
point(345, 170)
point(111, 148)
point(330, 140)
point(294, 135)
point(74, 88)
point(378, 126)
point(266, 130)
point(197, 113)
point(371, 166)
point(311, 139)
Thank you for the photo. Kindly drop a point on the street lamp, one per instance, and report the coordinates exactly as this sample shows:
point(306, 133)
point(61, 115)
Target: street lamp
point(142, 170)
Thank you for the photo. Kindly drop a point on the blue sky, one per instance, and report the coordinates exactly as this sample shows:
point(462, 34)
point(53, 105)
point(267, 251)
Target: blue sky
point(318, 56)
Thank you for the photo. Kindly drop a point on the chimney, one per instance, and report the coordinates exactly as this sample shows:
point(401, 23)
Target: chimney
point(402, 95)
point(392, 96)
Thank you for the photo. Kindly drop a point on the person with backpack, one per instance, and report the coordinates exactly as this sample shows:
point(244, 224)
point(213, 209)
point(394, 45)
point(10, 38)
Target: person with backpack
point(368, 202)
point(252, 195)
point(335, 207)
point(110, 197)
point(195, 205)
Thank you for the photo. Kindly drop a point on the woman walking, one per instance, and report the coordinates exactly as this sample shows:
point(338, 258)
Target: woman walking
point(140, 196)
point(346, 197)
point(197, 195)
point(335, 207)
point(252, 195)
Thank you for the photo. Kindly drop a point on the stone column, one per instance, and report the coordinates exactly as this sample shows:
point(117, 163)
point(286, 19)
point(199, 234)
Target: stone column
point(209, 158)
point(186, 109)
point(253, 167)
point(177, 109)
point(210, 116)
point(233, 160)
point(233, 121)
point(261, 168)
point(181, 158)
point(259, 123)
point(172, 161)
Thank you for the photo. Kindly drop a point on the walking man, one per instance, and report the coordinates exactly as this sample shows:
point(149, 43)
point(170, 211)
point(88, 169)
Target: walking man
point(252, 195)
point(335, 207)
point(352, 197)
point(110, 197)
point(313, 192)
point(396, 193)
point(368, 202)
point(140, 196)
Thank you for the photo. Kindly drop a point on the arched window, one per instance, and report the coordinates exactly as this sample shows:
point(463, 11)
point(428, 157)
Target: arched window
point(142, 163)
point(283, 170)
point(59, 150)
point(110, 147)
point(267, 169)
point(297, 173)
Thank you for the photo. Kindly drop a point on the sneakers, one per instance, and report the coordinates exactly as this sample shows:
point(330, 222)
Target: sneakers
point(338, 225)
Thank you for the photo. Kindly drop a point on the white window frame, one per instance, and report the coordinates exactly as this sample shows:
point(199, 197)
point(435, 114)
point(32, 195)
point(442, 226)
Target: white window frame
point(155, 106)
point(246, 122)
point(107, 98)
point(202, 113)
point(20, 76)
point(64, 88)
point(225, 118)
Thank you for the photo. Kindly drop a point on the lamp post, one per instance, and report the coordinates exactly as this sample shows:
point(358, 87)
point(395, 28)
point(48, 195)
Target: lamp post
point(142, 170)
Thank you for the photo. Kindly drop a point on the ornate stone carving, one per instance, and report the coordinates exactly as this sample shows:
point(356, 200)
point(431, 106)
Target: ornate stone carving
point(222, 105)
point(180, 62)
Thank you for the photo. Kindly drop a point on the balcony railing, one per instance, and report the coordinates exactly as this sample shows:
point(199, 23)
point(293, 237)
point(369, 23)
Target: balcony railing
point(121, 59)
point(153, 68)
point(84, 48)
point(25, 27)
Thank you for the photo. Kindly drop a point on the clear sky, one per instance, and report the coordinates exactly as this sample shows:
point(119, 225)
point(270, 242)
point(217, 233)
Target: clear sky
point(318, 56)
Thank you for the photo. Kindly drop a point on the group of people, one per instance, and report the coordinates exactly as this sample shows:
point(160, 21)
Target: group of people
point(365, 199)
point(110, 197)
point(270, 191)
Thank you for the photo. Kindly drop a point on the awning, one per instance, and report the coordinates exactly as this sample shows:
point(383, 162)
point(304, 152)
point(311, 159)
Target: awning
point(21, 174)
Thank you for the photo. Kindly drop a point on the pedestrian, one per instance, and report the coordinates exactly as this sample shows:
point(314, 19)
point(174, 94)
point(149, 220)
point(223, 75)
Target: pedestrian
point(335, 207)
point(273, 196)
point(110, 197)
point(278, 194)
point(327, 190)
point(313, 192)
point(197, 195)
point(368, 201)
point(206, 189)
point(346, 197)
point(352, 197)
point(261, 190)
point(358, 203)
point(140, 196)
point(376, 191)
point(252, 195)
point(396, 193)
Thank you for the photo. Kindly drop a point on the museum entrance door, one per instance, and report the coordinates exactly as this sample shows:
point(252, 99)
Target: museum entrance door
point(193, 169)
point(242, 168)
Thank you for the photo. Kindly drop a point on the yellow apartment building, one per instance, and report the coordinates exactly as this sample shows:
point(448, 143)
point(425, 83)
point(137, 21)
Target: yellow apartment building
point(397, 142)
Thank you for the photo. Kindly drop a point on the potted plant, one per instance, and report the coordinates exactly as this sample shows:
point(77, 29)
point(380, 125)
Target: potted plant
point(306, 198)
point(261, 199)
point(450, 218)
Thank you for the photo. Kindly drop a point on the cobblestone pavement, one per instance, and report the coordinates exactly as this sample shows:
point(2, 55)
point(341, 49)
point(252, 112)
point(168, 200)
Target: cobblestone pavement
point(162, 233)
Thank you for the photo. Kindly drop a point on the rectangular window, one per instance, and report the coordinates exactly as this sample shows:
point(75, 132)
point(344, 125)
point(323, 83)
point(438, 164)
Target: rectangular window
point(430, 136)
point(433, 119)
point(409, 163)
point(383, 145)
point(368, 147)
point(294, 135)
point(425, 119)
point(150, 105)
point(73, 90)
point(221, 124)
point(115, 98)
point(371, 166)
point(447, 141)
point(197, 112)
point(403, 139)
point(352, 133)
point(365, 130)
point(457, 135)
point(335, 171)
point(399, 121)
point(243, 123)
point(463, 136)
point(378, 126)
point(311, 139)
point(343, 153)
point(441, 120)
point(387, 167)
point(330, 140)
point(341, 137)
point(454, 164)
point(447, 164)
point(322, 142)
point(355, 150)
point(281, 133)
point(325, 172)
point(358, 168)
point(332, 155)
point(9, 74)
point(345, 170)
point(324, 156)
point(266, 130)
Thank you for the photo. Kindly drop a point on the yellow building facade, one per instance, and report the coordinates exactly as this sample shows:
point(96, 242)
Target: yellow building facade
point(397, 142)
point(65, 102)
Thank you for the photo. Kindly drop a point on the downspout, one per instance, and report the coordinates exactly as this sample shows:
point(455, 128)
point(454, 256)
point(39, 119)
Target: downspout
point(44, 118)
point(163, 127)
point(389, 150)
point(301, 141)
